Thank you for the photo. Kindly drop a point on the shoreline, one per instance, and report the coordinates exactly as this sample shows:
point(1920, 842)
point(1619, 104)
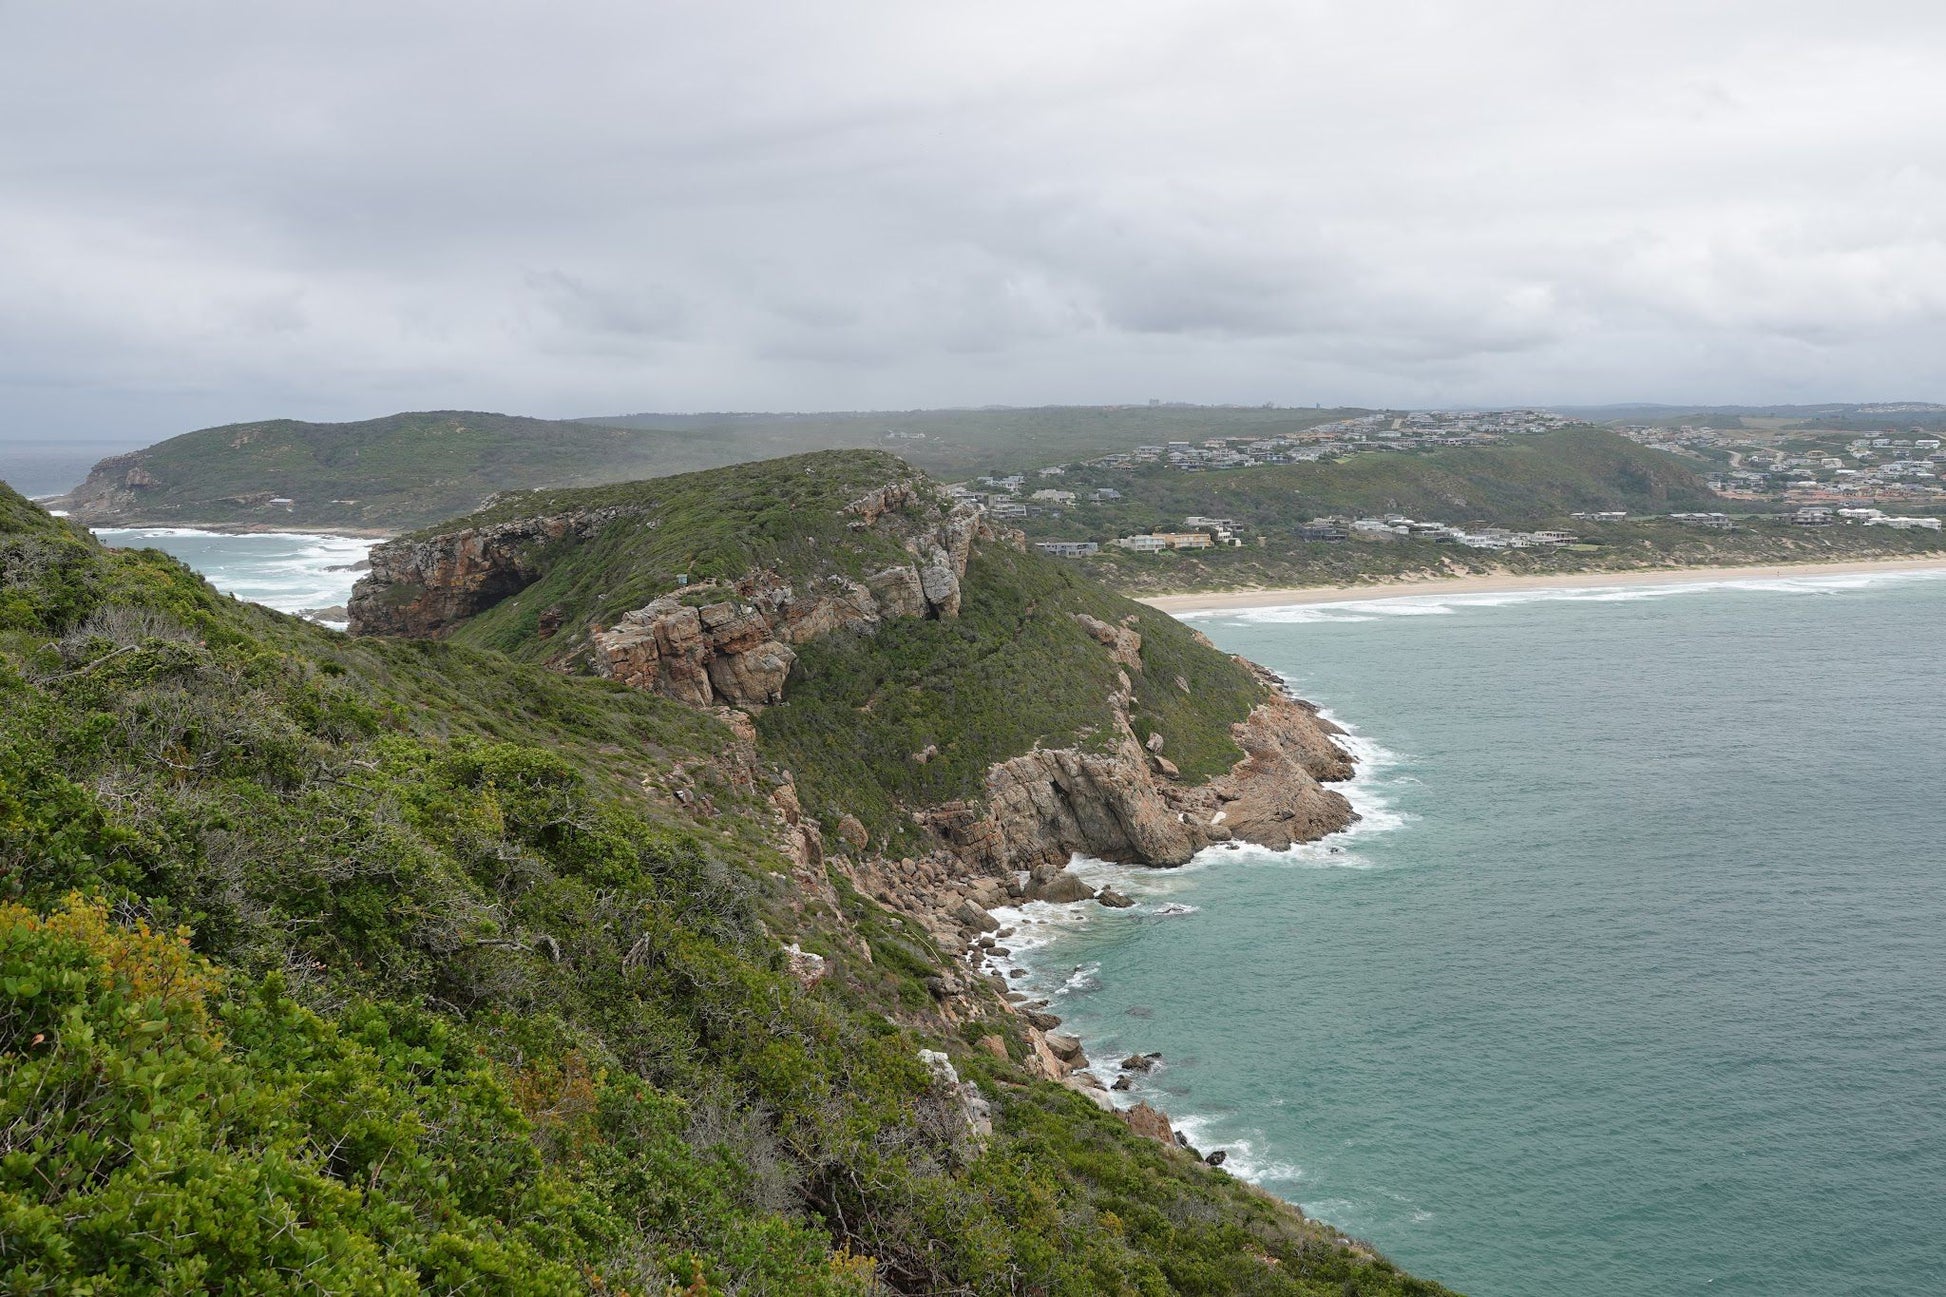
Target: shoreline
point(1508, 583)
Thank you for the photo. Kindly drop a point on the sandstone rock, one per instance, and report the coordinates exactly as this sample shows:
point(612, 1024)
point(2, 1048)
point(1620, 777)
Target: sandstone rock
point(1037, 1018)
point(1164, 766)
point(1155, 743)
point(421, 588)
point(1113, 899)
point(1140, 1062)
point(1066, 1047)
point(853, 832)
point(974, 917)
point(1124, 644)
point(994, 1045)
point(1151, 1122)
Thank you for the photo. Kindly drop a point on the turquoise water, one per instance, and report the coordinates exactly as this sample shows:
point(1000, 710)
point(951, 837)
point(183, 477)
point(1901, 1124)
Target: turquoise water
point(1632, 982)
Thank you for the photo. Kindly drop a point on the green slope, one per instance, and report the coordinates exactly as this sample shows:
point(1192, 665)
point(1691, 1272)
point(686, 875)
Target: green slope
point(399, 471)
point(350, 966)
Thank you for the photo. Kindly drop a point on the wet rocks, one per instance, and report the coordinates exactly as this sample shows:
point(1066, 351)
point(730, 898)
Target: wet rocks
point(1113, 899)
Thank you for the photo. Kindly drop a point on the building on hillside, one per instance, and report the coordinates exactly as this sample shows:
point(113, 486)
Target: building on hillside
point(1068, 548)
point(1162, 540)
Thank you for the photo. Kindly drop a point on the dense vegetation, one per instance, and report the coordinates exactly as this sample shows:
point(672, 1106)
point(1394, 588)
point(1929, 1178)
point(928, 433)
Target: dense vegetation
point(334, 966)
point(399, 471)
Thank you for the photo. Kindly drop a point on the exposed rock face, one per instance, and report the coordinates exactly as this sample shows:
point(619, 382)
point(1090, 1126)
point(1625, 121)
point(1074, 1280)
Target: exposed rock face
point(1152, 1122)
point(1124, 643)
point(1043, 806)
point(422, 588)
point(738, 650)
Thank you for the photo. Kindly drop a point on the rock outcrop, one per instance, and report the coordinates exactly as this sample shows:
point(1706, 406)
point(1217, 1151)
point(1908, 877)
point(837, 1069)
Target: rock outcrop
point(423, 588)
point(1122, 804)
point(733, 644)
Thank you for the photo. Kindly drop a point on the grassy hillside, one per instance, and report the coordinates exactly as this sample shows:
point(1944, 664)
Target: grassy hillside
point(399, 471)
point(366, 967)
point(1014, 670)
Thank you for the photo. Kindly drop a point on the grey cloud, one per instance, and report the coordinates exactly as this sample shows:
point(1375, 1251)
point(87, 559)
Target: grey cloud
point(216, 209)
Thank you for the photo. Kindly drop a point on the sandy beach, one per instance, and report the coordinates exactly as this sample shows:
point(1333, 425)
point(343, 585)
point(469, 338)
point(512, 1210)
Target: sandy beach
point(1216, 601)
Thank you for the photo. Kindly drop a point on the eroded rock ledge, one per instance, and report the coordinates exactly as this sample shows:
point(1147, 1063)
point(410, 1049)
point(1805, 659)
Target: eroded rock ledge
point(733, 644)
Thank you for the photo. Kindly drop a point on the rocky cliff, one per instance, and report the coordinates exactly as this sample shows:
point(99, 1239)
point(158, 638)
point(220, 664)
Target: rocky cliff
point(732, 644)
point(421, 588)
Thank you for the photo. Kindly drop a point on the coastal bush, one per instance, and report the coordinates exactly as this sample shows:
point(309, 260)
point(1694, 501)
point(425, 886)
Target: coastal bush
point(341, 966)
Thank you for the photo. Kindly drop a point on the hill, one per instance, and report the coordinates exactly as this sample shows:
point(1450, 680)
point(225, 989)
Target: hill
point(1526, 481)
point(362, 965)
point(898, 650)
point(407, 470)
point(382, 474)
point(954, 444)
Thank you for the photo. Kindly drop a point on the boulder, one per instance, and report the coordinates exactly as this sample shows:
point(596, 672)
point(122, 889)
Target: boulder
point(1066, 1047)
point(1140, 1062)
point(1150, 1122)
point(1061, 888)
point(1218, 1158)
point(1113, 899)
point(974, 917)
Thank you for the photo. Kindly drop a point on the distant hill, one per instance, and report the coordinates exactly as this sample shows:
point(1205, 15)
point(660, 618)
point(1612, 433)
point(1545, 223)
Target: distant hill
point(953, 444)
point(399, 471)
point(1528, 480)
point(406, 470)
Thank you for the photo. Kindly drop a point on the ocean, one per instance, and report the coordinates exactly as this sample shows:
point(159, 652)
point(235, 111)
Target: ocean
point(1631, 981)
point(286, 570)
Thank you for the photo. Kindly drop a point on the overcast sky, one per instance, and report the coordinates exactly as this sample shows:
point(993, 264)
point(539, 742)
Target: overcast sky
point(221, 211)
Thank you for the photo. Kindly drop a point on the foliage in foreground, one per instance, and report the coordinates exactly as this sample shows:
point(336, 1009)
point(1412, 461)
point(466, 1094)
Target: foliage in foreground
point(342, 967)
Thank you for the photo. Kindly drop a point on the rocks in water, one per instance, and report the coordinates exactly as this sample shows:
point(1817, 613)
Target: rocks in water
point(1122, 1083)
point(1140, 1062)
point(1113, 899)
point(1151, 1122)
point(1218, 1158)
point(1182, 1140)
point(1059, 888)
point(1044, 1021)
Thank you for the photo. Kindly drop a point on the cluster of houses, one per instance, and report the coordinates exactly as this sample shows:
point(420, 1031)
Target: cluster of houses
point(1336, 528)
point(1879, 466)
point(1825, 516)
point(1372, 432)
